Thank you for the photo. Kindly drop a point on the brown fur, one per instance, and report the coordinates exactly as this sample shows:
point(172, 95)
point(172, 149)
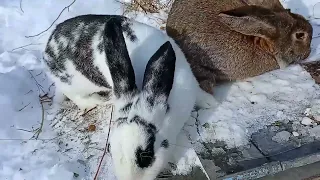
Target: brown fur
point(235, 39)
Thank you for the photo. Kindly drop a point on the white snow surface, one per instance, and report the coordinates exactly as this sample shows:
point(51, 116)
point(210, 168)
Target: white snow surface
point(65, 148)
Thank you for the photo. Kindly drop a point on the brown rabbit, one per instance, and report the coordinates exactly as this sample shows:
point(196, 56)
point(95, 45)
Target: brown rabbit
point(248, 37)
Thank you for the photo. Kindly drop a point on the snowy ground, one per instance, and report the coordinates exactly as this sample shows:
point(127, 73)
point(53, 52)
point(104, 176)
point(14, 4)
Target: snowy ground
point(67, 149)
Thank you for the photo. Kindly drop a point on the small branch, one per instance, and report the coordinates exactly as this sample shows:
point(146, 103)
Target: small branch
point(88, 111)
point(24, 107)
point(67, 7)
point(22, 47)
point(39, 73)
point(28, 92)
point(39, 129)
point(105, 148)
point(145, 11)
point(40, 87)
point(314, 37)
point(24, 130)
point(49, 89)
point(21, 6)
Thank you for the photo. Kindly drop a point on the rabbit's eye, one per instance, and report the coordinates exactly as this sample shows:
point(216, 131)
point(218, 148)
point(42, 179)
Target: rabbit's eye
point(300, 35)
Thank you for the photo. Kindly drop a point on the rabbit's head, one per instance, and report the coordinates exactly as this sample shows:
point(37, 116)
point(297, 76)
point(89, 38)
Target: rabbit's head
point(285, 35)
point(138, 146)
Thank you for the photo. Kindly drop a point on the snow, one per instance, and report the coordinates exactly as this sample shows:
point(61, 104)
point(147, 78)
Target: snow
point(67, 150)
point(295, 134)
point(281, 137)
point(250, 105)
point(306, 121)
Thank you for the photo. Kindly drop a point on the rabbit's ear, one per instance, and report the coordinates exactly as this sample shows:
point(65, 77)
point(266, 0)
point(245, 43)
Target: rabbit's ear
point(159, 75)
point(251, 21)
point(118, 59)
point(269, 4)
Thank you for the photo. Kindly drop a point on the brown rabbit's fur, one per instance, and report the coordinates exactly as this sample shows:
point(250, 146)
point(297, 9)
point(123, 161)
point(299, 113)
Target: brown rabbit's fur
point(235, 39)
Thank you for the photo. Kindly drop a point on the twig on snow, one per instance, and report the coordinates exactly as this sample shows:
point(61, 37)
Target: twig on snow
point(86, 112)
point(42, 100)
point(21, 6)
point(67, 7)
point(314, 37)
point(144, 9)
point(40, 87)
point(25, 130)
point(22, 47)
point(24, 107)
point(49, 89)
point(105, 148)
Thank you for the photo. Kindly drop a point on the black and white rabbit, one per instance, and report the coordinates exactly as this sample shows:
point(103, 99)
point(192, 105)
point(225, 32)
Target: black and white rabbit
point(92, 58)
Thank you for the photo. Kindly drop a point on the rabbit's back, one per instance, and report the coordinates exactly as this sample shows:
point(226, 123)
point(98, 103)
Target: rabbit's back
point(76, 46)
point(74, 54)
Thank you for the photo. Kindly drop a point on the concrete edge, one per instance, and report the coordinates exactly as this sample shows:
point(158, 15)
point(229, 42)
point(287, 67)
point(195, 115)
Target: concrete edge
point(273, 168)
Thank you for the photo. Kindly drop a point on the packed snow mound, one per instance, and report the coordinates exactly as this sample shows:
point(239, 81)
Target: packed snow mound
point(250, 105)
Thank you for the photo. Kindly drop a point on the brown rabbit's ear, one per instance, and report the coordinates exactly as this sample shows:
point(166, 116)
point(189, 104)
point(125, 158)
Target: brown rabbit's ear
point(250, 20)
point(269, 4)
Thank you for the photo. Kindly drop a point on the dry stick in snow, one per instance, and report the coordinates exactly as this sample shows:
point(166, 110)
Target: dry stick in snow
point(24, 107)
point(39, 129)
point(145, 11)
point(21, 6)
point(21, 47)
point(106, 147)
point(67, 7)
point(39, 86)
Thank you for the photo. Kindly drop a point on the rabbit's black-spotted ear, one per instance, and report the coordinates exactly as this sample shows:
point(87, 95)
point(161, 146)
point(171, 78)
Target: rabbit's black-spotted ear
point(251, 21)
point(159, 75)
point(118, 59)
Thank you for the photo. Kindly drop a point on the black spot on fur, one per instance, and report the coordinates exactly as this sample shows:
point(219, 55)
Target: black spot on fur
point(121, 120)
point(83, 55)
point(151, 128)
point(104, 93)
point(168, 108)
point(165, 143)
point(159, 74)
point(145, 157)
point(101, 47)
point(66, 78)
point(137, 101)
point(118, 58)
point(126, 108)
point(150, 100)
point(126, 27)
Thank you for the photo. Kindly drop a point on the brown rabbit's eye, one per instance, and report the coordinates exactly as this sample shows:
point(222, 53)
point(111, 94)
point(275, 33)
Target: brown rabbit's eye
point(300, 35)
